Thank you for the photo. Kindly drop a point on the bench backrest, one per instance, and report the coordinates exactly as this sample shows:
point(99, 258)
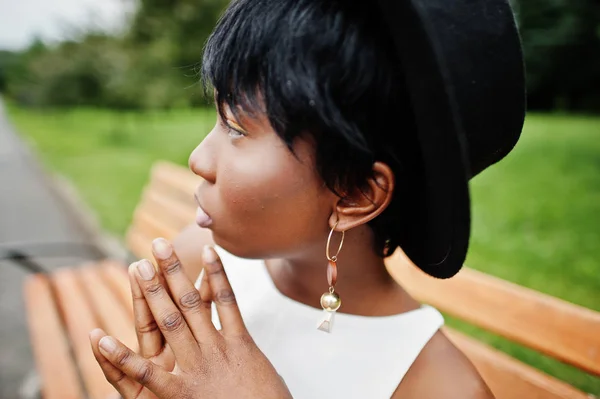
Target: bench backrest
point(559, 329)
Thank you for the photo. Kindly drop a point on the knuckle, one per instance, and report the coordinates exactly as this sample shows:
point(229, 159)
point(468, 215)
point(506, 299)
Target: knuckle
point(243, 342)
point(123, 357)
point(173, 322)
point(149, 327)
point(246, 341)
point(145, 373)
point(154, 289)
point(137, 296)
point(216, 351)
point(119, 378)
point(225, 297)
point(114, 378)
point(191, 300)
point(172, 267)
point(215, 269)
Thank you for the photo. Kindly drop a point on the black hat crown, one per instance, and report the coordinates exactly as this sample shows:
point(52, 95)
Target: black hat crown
point(464, 70)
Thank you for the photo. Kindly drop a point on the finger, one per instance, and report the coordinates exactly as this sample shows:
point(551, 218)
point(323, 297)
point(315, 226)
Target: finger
point(149, 336)
point(169, 318)
point(123, 384)
point(183, 292)
point(135, 367)
point(206, 296)
point(223, 296)
point(203, 286)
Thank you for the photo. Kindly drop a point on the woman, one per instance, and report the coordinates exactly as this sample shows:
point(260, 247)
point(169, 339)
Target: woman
point(345, 131)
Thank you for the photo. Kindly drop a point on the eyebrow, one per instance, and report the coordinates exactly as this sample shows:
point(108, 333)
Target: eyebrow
point(232, 120)
point(235, 124)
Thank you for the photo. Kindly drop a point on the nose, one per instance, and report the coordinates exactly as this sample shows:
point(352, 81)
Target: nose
point(202, 160)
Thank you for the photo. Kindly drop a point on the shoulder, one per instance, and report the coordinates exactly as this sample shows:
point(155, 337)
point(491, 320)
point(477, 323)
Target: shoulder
point(188, 245)
point(442, 371)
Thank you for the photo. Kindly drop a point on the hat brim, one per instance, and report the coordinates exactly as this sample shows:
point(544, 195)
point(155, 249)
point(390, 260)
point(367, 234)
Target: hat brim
point(438, 239)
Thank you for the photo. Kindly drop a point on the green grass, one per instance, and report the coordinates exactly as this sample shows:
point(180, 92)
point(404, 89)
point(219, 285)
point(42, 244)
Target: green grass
point(536, 222)
point(536, 215)
point(107, 155)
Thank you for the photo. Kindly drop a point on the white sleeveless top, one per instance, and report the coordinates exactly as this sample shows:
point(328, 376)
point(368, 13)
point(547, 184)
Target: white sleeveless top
point(363, 357)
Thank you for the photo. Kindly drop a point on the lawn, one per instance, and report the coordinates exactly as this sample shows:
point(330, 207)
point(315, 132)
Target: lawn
point(536, 216)
point(107, 155)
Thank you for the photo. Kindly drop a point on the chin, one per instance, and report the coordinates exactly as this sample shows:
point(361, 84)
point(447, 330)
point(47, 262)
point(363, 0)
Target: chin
point(235, 248)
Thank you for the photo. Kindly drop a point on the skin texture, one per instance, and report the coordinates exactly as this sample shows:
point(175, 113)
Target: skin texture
point(440, 361)
point(268, 203)
point(199, 360)
point(254, 180)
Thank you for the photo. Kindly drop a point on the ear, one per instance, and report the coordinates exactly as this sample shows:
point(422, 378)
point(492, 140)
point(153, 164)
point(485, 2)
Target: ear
point(363, 205)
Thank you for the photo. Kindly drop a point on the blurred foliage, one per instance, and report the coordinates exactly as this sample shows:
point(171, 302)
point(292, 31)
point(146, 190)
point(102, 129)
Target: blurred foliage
point(562, 52)
point(154, 64)
point(7, 59)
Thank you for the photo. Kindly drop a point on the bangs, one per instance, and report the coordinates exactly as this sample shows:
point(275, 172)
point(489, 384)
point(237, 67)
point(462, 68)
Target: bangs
point(327, 69)
point(231, 65)
point(275, 57)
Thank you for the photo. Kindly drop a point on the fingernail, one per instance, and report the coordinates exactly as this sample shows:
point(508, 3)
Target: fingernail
point(97, 331)
point(162, 249)
point(108, 344)
point(133, 266)
point(146, 270)
point(209, 255)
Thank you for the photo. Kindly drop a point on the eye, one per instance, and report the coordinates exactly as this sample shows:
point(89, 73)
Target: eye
point(235, 133)
point(234, 130)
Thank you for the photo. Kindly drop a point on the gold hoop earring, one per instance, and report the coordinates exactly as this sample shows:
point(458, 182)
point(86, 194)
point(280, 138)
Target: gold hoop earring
point(330, 301)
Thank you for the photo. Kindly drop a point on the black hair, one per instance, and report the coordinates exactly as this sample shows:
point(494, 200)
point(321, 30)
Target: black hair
point(326, 68)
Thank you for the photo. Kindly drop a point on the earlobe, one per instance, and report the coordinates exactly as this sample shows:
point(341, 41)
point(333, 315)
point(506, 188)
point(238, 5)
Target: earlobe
point(365, 204)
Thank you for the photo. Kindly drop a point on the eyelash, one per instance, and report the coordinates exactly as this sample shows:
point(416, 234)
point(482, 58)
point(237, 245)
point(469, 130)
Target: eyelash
point(234, 133)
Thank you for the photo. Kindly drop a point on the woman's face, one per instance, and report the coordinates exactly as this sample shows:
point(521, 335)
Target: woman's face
point(263, 201)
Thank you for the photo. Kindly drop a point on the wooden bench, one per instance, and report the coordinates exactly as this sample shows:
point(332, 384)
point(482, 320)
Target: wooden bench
point(65, 306)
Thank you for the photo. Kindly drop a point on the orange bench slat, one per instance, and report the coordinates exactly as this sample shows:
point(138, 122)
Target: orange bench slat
point(181, 180)
point(111, 313)
point(115, 275)
point(152, 227)
point(559, 329)
point(508, 378)
point(160, 204)
point(80, 320)
point(139, 244)
point(53, 358)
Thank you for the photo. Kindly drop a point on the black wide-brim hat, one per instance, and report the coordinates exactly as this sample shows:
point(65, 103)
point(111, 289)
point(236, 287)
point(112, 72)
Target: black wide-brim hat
point(464, 70)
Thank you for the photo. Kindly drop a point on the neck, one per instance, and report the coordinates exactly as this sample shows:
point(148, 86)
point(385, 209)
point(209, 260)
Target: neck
point(363, 283)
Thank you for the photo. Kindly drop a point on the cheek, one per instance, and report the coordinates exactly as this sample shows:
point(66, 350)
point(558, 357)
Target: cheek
point(271, 203)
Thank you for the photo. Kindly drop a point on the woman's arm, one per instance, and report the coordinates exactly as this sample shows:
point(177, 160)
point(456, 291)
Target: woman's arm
point(188, 246)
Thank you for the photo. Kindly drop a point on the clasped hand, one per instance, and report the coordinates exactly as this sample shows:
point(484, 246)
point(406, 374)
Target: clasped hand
point(182, 354)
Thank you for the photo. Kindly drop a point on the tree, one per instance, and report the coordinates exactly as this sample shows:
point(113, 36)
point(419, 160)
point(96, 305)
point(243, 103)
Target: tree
point(153, 64)
point(562, 52)
point(172, 34)
point(7, 59)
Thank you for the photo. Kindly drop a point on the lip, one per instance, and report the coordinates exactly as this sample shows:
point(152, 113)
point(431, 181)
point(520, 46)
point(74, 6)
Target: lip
point(203, 219)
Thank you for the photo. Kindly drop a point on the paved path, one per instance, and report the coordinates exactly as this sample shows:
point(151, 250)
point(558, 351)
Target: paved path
point(30, 211)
